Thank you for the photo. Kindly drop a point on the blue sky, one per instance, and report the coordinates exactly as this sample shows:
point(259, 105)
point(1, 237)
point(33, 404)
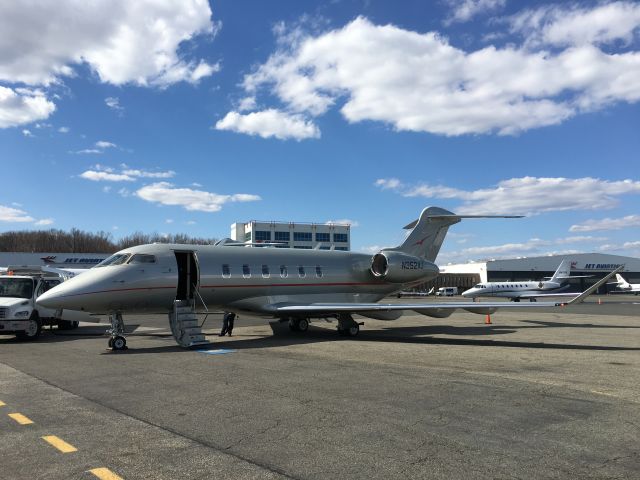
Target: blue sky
point(188, 116)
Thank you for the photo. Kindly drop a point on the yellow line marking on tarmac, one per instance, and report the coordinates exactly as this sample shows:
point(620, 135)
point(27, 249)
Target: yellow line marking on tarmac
point(60, 444)
point(2, 404)
point(21, 419)
point(105, 474)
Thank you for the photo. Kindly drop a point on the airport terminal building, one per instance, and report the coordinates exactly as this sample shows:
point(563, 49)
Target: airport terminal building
point(593, 265)
point(325, 236)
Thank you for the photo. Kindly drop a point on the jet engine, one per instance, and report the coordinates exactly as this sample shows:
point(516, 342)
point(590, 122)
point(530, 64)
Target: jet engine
point(399, 267)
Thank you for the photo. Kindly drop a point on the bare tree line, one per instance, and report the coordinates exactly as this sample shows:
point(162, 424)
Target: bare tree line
point(77, 241)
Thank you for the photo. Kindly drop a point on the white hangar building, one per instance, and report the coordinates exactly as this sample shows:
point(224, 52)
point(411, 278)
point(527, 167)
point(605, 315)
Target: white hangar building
point(465, 275)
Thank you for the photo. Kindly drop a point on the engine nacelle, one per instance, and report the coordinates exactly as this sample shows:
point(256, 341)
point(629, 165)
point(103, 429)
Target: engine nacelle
point(398, 267)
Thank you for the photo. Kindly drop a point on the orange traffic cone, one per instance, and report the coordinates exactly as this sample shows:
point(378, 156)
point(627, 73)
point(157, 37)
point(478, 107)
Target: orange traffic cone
point(487, 321)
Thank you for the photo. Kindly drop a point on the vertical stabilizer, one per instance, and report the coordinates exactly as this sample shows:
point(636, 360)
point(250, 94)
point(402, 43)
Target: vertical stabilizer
point(428, 233)
point(622, 283)
point(562, 272)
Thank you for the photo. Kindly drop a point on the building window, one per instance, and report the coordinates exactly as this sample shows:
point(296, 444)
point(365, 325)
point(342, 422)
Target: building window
point(247, 236)
point(282, 236)
point(340, 237)
point(262, 236)
point(301, 272)
point(284, 273)
point(226, 271)
point(323, 237)
point(303, 247)
point(318, 271)
point(265, 271)
point(246, 271)
point(325, 247)
point(301, 236)
point(341, 248)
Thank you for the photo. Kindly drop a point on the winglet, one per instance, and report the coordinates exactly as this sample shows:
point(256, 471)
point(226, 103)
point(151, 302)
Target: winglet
point(580, 298)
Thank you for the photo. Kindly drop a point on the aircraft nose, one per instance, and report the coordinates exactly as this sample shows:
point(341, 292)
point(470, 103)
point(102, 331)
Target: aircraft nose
point(55, 298)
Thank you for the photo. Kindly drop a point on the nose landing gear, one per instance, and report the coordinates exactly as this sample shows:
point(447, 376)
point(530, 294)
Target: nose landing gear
point(117, 340)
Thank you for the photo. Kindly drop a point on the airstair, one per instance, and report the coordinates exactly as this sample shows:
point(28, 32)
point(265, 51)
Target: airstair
point(185, 326)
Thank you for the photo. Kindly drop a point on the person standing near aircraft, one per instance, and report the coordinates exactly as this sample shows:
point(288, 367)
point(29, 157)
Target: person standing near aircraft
point(227, 323)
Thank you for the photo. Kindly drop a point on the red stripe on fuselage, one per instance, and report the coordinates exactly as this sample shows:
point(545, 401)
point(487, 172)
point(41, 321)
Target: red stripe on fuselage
point(232, 286)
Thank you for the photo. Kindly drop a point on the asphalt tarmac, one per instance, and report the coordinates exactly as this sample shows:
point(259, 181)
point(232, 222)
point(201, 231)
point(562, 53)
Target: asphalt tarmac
point(536, 394)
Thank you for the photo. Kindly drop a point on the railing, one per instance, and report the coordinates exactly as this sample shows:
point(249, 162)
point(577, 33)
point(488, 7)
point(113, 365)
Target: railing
point(197, 292)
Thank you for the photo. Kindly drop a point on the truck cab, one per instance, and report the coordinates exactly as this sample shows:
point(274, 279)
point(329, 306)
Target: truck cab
point(447, 291)
point(19, 313)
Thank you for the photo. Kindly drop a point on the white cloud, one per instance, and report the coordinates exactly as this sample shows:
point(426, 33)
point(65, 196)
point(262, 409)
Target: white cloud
point(343, 221)
point(44, 221)
point(169, 220)
point(64, 129)
point(102, 176)
point(114, 104)
point(121, 41)
point(607, 224)
point(88, 151)
point(165, 193)
point(103, 145)
point(102, 173)
point(527, 195)
point(420, 82)
point(22, 106)
point(247, 103)
point(570, 24)
point(9, 214)
point(465, 10)
point(146, 174)
point(27, 133)
point(270, 123)
point(190, 222)
point(388, 183)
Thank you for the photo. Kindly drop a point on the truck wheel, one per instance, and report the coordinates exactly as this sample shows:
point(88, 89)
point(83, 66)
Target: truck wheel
point(33, 330)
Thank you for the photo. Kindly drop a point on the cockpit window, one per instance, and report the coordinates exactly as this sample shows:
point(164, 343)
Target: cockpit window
point(479, 286)
point(116, 259)
point(142, 258)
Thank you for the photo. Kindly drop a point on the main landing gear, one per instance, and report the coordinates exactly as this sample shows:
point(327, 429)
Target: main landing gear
point(117, 340)
point(347, 326)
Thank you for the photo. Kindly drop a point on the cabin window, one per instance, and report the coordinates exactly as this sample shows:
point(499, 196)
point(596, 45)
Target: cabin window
point(284, 272)
point(265, 271)
point(246, 271)
point(301, 272)
point(318, 271)
point(142, 258)
point(226, 271)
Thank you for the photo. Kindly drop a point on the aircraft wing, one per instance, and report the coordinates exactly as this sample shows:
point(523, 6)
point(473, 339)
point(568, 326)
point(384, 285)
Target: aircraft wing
point(474, 307)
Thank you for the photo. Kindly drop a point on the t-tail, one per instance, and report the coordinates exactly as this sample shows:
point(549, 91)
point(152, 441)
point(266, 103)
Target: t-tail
point(563, 271)
point(622, 283)
point(428, 232)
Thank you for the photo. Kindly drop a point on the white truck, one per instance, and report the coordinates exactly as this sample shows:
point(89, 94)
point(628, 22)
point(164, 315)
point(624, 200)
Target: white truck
point(19, 313)
point(447, 291)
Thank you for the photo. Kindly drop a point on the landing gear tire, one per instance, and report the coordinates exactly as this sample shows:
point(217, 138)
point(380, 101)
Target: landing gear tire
point(119, 343)
point(533, 300)
point(353, 331)
point(33, 329)
point(298, 324)
point(515, 299)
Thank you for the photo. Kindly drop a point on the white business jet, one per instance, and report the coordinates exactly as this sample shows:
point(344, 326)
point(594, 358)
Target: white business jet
point(625, 286)
point(528, 290)
point(289, 284)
